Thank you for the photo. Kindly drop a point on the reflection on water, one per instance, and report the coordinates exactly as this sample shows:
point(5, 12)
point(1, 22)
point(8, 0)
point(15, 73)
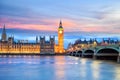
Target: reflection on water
point(56, 68)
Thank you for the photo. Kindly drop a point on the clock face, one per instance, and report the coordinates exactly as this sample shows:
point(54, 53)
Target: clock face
point(60, 32)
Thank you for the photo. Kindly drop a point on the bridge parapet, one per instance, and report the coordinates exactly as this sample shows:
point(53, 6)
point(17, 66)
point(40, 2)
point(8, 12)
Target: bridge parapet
point(95, 48)
point(116, 47)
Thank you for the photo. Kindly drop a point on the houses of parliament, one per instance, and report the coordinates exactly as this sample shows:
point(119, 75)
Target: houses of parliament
point(9, 46)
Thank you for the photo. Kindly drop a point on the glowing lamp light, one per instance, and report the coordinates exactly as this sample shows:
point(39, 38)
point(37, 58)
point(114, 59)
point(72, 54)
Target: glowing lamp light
point(60, 51)
point(60, 32)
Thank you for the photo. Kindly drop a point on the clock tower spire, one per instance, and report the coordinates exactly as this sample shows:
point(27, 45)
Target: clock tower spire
point(61, 38)
point(60, 25)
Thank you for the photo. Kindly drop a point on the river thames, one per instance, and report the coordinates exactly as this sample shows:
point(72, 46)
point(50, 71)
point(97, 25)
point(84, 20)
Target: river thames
point(57, 68)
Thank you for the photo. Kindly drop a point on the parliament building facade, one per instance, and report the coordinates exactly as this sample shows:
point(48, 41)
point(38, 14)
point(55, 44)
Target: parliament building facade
point(9, 46)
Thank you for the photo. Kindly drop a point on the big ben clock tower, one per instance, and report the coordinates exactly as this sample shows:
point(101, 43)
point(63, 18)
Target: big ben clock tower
point(61, 38)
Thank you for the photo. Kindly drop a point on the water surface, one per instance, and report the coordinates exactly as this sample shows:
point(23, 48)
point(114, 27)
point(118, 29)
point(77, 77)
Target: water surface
point(57, 68)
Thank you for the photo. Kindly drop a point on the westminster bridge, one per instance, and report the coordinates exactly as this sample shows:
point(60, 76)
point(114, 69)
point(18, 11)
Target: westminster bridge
point(111, 52)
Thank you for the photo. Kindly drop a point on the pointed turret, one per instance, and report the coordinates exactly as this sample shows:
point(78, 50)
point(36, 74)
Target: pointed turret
point(4, 36)
point(36, 39)
point(60, 25)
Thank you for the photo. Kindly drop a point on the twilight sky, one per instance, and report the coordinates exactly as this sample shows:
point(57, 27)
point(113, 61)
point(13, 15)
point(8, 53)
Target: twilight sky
point(26, 19)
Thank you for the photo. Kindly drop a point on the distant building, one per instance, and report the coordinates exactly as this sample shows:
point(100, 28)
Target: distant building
point(41, 46)
point(109, 41)
point(82, 44)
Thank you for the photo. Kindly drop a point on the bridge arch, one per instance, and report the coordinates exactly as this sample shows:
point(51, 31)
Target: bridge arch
point(70, 53)
point(79, 51)
point(107, 53)
point(74, 51)
point(107, 50)
point(89, 51)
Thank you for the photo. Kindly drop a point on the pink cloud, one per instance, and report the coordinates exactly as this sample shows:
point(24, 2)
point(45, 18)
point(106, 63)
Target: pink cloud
point(52, 25)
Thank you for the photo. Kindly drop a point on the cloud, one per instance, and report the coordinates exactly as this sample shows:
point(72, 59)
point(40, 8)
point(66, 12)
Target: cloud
point(32, 17)
point(80, 18)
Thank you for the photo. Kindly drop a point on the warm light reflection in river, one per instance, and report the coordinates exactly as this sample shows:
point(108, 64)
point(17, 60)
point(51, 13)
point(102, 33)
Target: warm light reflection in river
point(57, 68)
